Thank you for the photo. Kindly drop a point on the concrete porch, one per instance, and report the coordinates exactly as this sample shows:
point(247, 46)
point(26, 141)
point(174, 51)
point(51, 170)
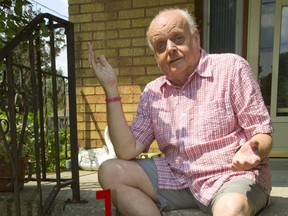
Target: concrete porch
point(89, 186)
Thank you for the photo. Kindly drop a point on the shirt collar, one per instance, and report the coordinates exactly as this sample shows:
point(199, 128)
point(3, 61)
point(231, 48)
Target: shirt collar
point(202, 70)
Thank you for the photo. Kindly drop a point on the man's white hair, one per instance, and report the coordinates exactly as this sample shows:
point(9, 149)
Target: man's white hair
point(184, 12)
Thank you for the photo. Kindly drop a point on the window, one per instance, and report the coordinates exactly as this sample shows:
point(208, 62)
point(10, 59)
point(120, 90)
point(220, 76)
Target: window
point(223, 24)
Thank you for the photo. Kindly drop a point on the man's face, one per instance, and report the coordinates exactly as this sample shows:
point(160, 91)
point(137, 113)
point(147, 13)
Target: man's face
point(176, 49)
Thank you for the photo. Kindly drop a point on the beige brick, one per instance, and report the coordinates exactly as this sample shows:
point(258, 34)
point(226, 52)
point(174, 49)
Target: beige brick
point(143, 79)
point(74, 9)
point(90, 81)
point(95, 99)
point(128, 89)
point(153, 11)
point(132, 52)
point(116, 71)
point(136, 98)
point(149, 51)
point(119, 43)
point(120, 61)
point(86, 126)
point(85, 90)
point(147, 60)
point(127, 99)
point(88, 143)
point(87, 73)
point(99, 17)
point(129, 117)
point(111, 15)
point(99, 90)
point(118, 24)
point(79, 99)
point(130, 14)
point(80, 117)
point(106, 52)
point(153, 70)
point(99, 35)
point(132, 71)
point(154, 145)
point(79, 82)
point(111, 34)
point(141, 3)
point(94, 135)
point(99, 44)
point(85, 36)
point(92, 26)
point(77, 27)
point(80, 18)
point(80, 134)
point(96, 117)
point(130, 107)
point(136, 32)
point(77, 46)
point(93, 7)
point(100, 107)
point(118, 5)
point(100, 143)
point(125, 80)
point(139, 42)
point(83, 54)
point(78, 64)
point(144, 22)
point(85, 108)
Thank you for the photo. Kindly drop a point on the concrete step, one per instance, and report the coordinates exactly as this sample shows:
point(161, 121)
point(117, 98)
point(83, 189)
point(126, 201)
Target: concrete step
point(279, 207)
point(89, 186)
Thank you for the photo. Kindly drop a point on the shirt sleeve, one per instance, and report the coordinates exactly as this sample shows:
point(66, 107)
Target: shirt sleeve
point(247, 101)
point(142, 127)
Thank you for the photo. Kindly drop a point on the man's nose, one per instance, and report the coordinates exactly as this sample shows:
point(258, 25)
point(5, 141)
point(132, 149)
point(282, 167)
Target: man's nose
point(171, 46)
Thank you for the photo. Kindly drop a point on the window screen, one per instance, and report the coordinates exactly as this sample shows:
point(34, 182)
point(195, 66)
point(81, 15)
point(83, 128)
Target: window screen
point(222, 26)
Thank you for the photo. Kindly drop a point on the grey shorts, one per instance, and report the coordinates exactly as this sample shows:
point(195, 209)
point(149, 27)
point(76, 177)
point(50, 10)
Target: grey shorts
point(184, 199)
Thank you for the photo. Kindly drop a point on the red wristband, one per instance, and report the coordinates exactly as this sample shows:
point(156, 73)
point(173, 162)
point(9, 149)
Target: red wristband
point(114, 99)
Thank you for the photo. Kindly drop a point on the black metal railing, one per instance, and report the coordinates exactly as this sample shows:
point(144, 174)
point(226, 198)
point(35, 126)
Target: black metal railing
point(38, 106)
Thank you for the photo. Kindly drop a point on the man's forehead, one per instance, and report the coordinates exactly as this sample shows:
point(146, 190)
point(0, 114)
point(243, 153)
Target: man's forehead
point(171, 18)
point(167, 20)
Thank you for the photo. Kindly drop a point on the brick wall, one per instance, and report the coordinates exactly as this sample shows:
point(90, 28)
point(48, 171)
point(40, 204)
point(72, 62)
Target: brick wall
point(117, 30)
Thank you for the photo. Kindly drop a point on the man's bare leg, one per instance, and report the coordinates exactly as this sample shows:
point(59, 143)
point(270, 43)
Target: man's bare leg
point(231, 204)
point(132, 191)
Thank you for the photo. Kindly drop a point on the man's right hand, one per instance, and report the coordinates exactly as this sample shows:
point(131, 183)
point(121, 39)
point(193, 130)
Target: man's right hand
point(103, 70)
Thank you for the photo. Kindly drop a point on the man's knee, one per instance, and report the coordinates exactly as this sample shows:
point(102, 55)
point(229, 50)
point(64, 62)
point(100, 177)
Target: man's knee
point(115, 172)
point(232, 204)
point(107, 172)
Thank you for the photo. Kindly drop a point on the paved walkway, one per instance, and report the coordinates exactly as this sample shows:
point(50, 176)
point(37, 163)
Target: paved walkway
point(89, 186)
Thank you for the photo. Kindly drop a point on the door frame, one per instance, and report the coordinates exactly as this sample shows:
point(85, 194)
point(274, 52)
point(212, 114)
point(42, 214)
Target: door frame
point(280, 124)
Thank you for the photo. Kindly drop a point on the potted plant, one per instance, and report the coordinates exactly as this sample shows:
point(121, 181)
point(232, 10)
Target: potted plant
point(6, 174)
point(6, 171)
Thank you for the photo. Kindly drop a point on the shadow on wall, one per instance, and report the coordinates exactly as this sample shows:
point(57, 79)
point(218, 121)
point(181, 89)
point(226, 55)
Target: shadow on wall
point(88, 125)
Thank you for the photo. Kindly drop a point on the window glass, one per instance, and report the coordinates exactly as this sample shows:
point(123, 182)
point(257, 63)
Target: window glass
point(282, 98)
point(266, 49)
point(222, 26)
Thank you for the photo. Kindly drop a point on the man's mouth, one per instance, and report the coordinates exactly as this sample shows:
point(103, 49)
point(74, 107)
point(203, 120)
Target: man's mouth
point(174, 60)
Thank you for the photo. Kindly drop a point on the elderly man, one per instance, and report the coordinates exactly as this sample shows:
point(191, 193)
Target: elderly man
point(208, 117)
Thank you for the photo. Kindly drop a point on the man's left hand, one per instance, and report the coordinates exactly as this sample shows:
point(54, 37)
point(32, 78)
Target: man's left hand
point(247, 157)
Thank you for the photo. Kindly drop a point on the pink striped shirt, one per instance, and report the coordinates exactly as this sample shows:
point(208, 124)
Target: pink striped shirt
point(199, 126)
